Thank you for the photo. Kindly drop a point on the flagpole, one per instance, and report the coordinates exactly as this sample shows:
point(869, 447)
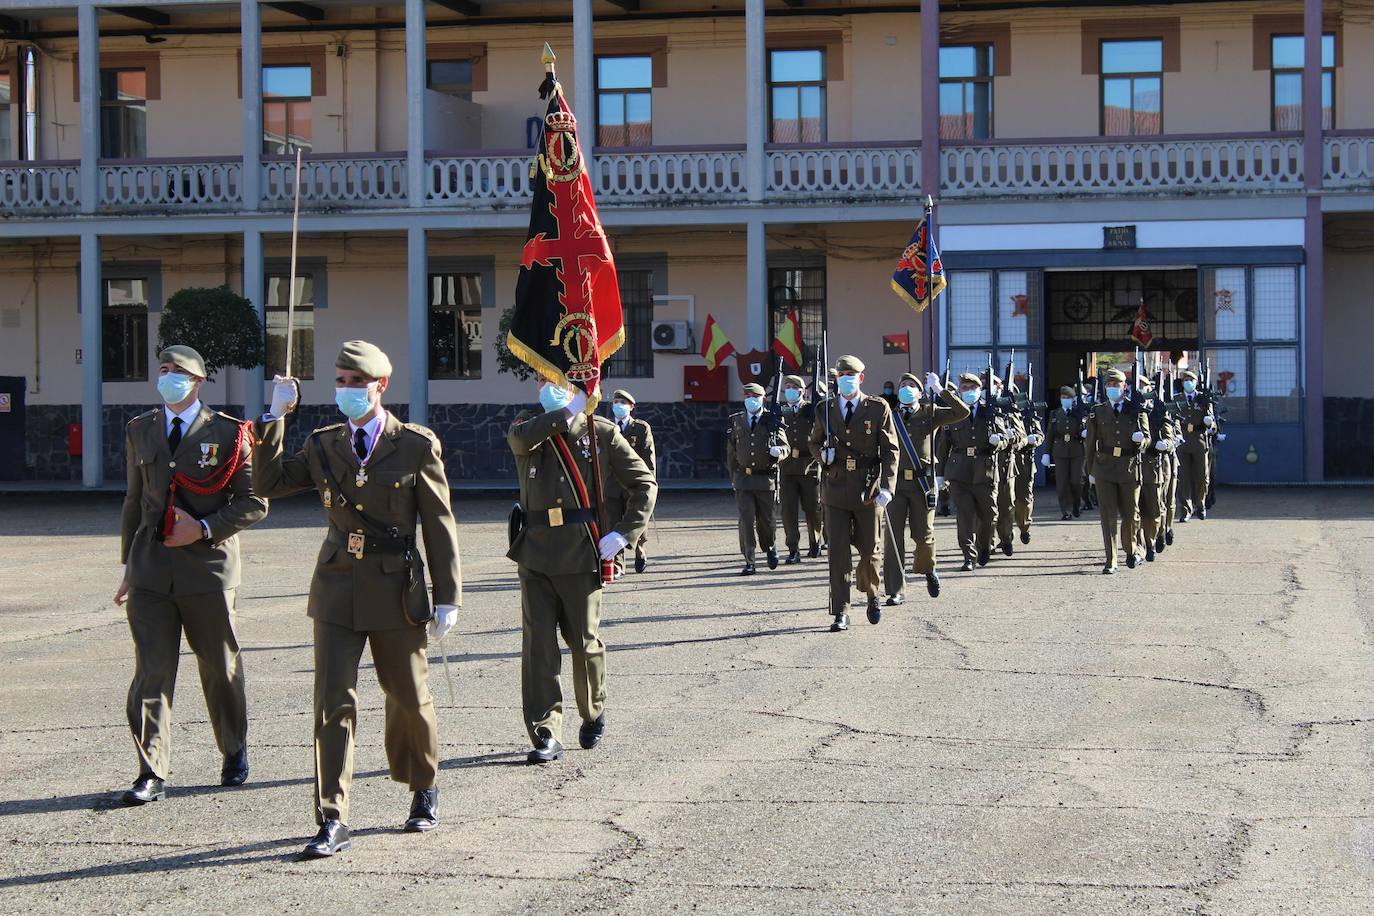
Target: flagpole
point(931, 495)
point(908, 351)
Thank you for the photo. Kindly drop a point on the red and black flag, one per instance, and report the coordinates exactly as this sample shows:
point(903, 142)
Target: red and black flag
point(1140, 328)
point(568, 319)
point(896, 343)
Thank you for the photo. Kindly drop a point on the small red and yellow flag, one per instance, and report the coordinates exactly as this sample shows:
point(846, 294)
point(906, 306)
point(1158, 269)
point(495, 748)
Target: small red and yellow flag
point(715, 346)
point(788, 343)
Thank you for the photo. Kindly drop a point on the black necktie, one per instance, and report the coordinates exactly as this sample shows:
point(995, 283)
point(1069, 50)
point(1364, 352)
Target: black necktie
point(360, 444)
point(753, 421)
point(174, 439)
point(848, 412)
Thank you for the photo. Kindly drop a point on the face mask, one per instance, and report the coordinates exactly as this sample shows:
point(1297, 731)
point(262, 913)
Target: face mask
point(552, 397)
point(1190, 386)
point(1087, 399)
point(906, 394)
point(354, 402)
point(1066, 403)
point(753, 405)
point(1113, 394)
point(970, 397)
point(621, 411)
point(887, 389)
point(175, 387)
point(848, 385)
point(793, 395)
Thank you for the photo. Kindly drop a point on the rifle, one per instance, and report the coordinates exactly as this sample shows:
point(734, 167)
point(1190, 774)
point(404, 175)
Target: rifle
point(1135, 374)
point(1007, 383)
point(944, 382)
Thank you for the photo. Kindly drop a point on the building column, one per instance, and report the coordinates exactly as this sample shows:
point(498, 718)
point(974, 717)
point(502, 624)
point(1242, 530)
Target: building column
point(250, 36)
point(755, 103)
point(88, 82)
point(92, 368)
point(756, 279)
point(415, 102)
point(1314, 160)
point(584, 82)
point(253, 286)
point(417, 322)
point(930, 152)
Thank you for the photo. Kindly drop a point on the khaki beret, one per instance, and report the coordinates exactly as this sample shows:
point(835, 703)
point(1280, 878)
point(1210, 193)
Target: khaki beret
point(361, 356)
point(620, 394)
point(971, 377)
point(1066, 392)
point(183, 357)
point(1144, 383)
point(755, 389)
point(1116, 375)
point(849, 364)
point(909, 377)
point(1188, 374)
point(794, 380)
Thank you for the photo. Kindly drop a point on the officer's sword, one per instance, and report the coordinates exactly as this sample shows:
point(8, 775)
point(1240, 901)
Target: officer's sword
point(448, 675)
point(892, 539)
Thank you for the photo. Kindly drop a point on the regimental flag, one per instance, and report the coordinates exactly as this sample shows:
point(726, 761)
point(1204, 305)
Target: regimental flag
point(896, 343)
point(715, 346)
point(788, 343)
point(1140, 328)
point(917, 286)
point(568, 318)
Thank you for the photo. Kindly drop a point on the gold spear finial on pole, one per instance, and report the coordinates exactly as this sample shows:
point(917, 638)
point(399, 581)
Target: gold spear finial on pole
point(547, 58)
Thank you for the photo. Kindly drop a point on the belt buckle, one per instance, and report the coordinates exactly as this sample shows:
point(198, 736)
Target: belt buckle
point(972, 452)
point(1066, 437)
point(910, 474)
point(1116, 452)
point(556, 518)
point(355, 545)
point(748, 472)
point(851, 464)
point(796, 453)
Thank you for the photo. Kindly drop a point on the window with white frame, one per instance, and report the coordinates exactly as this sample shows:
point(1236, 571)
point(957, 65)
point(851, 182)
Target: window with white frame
point(1252, 338)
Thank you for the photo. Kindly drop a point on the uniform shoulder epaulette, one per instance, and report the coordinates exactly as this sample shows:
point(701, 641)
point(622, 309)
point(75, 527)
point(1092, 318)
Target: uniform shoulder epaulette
point(420, 429)
point(146, 415)
point(325, 429)
point(221, 415)
point(736, 415)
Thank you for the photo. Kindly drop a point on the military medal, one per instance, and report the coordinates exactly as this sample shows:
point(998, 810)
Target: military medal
point(328, 498)
point(360, 478)
point(586, 444)
point(209, 454)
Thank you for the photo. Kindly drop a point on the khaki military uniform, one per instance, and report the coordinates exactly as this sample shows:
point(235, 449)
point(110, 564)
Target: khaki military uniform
point(641, 438)
point(1154, 470)
point(1113, 460)
point(1065, 440)
point(560, 575)
point(1193, 454)
point(971, 468)
point(752, 470)
point(1025, 474)
point(190, 588)
point(362, 592)
point(1006, 477)
point(1170, 471)
point(800, 479)
point(909, 506)
point(865, 462)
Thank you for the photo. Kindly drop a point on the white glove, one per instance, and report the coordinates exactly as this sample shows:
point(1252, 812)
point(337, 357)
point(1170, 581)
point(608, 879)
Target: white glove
point(1092, 480)
point(577, 405)
point(939, 484)
point(1221, 437)
point(1035, 439)
point(777, 451)
point(882, 499)
point(445, 616)
point(827, 456)
point(1178, 440)
point(1162, 445)
point(996, 440)
point(285, 393)
point(933, 381)
point(1045, 460)
point(1083, 434)
point(611, 544)
point(1137, 437)
point(1209, 421)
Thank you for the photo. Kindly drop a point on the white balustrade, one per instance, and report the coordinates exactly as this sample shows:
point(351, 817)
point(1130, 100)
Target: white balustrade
point(376, 181)
point(480, 180)
point(1349, 162)
point(1244, 164)
point(706, 176)
point(171, 185)
point(880, 171)
point(39, 187)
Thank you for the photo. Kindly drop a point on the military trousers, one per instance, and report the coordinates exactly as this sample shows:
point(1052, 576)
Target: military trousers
point(1025, 490)
point(908, 512)
point(1151, 500)
point(1118, 505)
point(1170, 494)
point(856, 529)
point(410, 733)
point(615, 511)
point(975, 508)
point(1006, 499)
point(156, 622)
point(801, 498)
point(756, 517)
point(1068, 483)
point(1192, 480)
point(550, 604)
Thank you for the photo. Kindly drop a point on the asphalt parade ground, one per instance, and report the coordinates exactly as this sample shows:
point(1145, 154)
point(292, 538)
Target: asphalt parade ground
point(1195, 735)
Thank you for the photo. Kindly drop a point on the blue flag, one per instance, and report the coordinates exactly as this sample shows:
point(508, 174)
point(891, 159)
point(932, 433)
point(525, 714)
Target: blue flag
point(917, 286)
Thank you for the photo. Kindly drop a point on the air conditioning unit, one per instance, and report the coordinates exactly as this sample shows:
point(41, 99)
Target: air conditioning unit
point(672, 336)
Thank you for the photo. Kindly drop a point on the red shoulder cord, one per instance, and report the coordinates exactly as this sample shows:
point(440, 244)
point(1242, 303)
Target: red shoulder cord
point(216, 481)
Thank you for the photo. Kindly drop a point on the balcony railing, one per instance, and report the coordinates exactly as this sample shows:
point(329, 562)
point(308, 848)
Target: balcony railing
point(39, 187)
point(702, 175)
point(479, 180)
point(336, 182)
point(171, 185)
point(1108, 165)
point(876, 170)
point(1348, 161)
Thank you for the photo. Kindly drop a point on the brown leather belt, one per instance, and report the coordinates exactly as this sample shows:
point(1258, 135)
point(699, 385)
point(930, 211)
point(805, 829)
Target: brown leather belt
point(558, 517)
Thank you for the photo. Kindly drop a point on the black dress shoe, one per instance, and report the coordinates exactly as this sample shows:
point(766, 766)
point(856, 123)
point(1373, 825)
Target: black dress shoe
point(772, 558)
point(147, 788)
point(1131, 559)
point(1184, 516)
point(933, 584)
point(1169, 537)
point(1159, 544)
point(641, 562)
point(591, 732)
point(894, 600)
point(333, 837)
point(235, 769)
point(1202, 514)
point(967, 567)
point(748, 570)
point(984, 555)
point(875, 609)
point(1108, 570)
point(1006, 548)
point(424, 811)
point(943, 513)
point(1025, 536)
point(840, 623)
point(1076, 512)
point(793, 557)
point(547, 748)
point(1065, 517)
point(1149, 552)
point(814, 551)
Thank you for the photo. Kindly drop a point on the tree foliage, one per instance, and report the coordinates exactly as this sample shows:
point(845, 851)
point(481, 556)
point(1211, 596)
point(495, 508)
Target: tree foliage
point(506, 361)
point(220, 324)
